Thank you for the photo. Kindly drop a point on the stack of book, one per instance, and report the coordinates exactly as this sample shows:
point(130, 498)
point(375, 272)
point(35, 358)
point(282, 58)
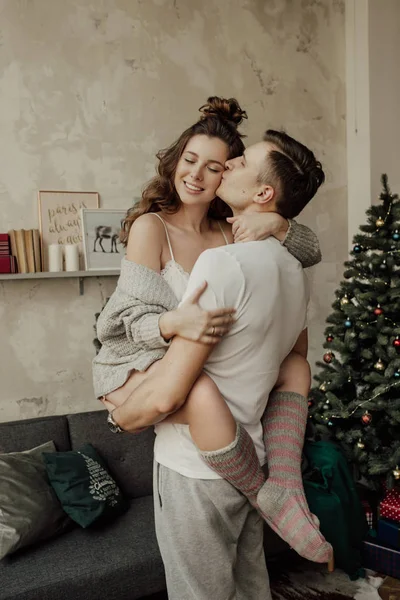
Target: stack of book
point(7, 261)
point(25, 246)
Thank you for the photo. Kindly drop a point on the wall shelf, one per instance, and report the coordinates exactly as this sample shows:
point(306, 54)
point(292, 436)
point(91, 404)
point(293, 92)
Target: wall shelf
point(80, 275)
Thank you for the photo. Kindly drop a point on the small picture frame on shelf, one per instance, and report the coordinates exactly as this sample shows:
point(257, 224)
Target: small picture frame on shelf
point(103, 250)
point(60, 219)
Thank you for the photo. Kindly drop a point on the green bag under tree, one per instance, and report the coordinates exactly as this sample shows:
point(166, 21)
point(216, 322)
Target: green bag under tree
point(332, 496)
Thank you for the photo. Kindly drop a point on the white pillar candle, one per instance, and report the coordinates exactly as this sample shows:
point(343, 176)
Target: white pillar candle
point(71, 254)
point(55, 255)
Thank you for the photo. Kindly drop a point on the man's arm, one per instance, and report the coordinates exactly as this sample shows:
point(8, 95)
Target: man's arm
point(168, 384)
point(165, 390)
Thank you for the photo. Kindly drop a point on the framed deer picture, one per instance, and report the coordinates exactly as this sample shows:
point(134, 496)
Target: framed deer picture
point(101, 228)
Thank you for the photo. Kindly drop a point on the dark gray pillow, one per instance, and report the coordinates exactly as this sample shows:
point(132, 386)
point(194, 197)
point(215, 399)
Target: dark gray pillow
point(29, 508)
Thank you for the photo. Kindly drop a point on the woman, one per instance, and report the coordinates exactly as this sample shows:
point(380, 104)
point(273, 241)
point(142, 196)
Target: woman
point(179, 217)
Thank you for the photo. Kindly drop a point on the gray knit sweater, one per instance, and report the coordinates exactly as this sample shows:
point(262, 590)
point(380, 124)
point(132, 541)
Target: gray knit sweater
point(128, 328)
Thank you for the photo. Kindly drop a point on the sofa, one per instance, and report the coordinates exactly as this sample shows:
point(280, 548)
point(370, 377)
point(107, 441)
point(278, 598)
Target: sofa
point(120, 561)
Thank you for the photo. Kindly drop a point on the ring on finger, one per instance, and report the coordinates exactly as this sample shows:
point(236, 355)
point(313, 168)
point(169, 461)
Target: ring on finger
point(213, 330)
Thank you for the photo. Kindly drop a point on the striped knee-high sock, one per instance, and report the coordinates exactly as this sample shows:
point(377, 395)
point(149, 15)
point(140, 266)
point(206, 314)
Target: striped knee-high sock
point(238, 463)
point(281, 499)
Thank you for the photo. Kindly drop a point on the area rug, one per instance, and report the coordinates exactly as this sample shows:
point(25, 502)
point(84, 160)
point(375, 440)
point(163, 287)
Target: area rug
point(294, 579)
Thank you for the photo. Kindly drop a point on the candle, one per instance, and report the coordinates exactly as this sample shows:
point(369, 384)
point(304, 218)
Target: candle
point(55, 256)
point(71, 254)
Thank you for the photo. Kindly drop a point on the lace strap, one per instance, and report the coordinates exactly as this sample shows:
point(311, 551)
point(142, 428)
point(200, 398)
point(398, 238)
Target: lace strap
point(223, 233)
point(166, 233)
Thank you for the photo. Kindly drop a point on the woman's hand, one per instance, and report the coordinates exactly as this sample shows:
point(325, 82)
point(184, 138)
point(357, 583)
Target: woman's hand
point(258, 226)
point(193, 323)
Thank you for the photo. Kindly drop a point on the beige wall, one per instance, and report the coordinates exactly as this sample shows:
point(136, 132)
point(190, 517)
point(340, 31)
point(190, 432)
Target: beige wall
point(88, 93)
point(384, 78)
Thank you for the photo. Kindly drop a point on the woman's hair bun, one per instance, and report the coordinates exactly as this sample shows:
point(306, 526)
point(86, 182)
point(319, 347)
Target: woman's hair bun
point(223, 108)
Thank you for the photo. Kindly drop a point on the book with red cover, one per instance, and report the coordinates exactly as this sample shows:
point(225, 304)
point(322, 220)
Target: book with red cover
point(7, 264)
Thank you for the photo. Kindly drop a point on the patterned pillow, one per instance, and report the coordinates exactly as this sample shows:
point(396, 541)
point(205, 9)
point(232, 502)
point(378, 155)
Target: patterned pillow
point(29, 508)
point(85, 488)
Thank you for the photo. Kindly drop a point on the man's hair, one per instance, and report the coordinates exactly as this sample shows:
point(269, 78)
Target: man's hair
point(293, 171)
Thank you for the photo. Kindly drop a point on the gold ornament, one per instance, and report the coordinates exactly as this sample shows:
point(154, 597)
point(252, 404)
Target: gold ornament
point(396, 473)
point(379, 222)
point(360, 444)
point(345, 300)
point(322, 387)
point(379, 365)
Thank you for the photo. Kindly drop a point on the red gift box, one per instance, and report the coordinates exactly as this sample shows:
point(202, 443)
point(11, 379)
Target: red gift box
point(389, 508)
point(368, 513)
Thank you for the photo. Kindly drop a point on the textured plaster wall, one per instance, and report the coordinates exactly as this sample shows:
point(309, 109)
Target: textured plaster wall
point(90, 90)
point(384, 79)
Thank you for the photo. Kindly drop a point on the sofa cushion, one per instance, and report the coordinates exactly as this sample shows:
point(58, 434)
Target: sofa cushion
point(29, 508)
point(129, 456)
point(84, 486)
point(119, 562)
point(16, 436)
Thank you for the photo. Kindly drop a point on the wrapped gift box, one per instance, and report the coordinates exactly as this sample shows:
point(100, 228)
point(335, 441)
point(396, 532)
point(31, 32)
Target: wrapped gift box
point(389, 533)
point(389, 508)
point(381, 559)
point(369, 514)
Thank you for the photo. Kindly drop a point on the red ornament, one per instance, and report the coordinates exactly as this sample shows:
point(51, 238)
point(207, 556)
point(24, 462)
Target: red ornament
point(310, 403)
point(378, 311)
point(366, 418)
point(396, 342)
point(328, 357)
point(329, 338)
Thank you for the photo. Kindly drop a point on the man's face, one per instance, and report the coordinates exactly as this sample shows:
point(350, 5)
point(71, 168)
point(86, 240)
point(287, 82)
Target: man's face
point(240, 187)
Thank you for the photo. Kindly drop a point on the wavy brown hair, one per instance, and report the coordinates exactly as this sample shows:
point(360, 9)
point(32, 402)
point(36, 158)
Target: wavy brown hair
point(220, 119)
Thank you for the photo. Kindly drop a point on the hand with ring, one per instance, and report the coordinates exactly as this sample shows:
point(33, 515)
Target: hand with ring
point(190, 321)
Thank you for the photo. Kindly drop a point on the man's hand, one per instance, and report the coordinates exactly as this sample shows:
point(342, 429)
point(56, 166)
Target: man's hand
point(258, 226)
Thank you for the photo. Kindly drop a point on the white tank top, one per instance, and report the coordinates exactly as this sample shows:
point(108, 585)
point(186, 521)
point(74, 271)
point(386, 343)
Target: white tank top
point(173, 273)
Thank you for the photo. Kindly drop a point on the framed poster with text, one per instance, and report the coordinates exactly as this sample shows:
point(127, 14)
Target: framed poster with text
point(60, 219)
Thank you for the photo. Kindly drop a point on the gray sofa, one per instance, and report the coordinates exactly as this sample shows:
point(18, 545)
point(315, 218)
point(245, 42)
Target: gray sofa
point(118, 562)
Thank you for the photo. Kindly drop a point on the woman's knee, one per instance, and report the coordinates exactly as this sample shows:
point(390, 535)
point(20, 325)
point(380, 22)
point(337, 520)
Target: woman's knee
point(295, 374)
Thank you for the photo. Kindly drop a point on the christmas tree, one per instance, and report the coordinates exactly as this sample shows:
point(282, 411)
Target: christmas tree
point(357, 399)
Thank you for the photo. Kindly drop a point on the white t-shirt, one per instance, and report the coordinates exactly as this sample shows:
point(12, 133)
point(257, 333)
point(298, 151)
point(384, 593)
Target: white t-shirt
point(268, 288)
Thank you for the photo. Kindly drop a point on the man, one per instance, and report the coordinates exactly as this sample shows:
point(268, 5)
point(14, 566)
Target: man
point(210, 537)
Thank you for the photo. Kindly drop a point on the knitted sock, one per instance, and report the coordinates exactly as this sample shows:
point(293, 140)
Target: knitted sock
point(238, 463)
point(282, 498)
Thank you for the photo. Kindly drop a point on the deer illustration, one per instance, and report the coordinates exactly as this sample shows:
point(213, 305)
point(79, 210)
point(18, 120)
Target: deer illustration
point(106, 232)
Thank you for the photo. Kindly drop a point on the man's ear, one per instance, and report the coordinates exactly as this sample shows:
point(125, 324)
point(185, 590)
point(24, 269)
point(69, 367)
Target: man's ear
point(265, 194)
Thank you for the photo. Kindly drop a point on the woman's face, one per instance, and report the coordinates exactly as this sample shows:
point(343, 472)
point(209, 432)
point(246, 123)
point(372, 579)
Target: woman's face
point(200, 168)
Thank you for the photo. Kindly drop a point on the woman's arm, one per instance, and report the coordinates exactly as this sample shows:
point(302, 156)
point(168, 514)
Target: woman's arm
point(300, 241)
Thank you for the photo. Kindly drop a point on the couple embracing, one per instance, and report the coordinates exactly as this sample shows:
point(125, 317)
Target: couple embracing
point(205, 337)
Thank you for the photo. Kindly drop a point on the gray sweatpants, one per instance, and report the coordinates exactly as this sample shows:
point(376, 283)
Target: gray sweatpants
point(210, 538)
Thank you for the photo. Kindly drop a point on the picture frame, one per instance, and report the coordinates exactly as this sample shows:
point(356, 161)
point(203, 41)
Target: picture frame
point(102, 249)
point(60, 219)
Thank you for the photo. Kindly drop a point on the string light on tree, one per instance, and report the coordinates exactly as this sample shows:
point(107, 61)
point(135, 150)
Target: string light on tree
point(360, 444)
point(396, 473)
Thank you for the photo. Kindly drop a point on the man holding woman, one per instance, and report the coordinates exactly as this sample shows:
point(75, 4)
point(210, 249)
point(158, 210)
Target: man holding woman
point(141, 318)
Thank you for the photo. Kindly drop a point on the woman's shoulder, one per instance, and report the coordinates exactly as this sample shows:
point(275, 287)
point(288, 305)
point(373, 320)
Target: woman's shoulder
point(145, 242)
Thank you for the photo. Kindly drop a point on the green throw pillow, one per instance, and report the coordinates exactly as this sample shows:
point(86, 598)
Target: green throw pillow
point(85, 488)
point(29, 508)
